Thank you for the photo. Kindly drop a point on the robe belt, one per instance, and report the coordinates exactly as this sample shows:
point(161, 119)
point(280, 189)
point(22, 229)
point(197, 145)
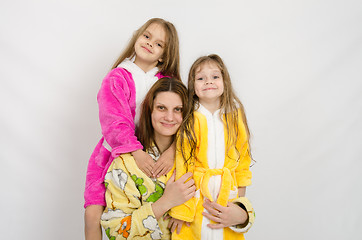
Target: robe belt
point(204, 175)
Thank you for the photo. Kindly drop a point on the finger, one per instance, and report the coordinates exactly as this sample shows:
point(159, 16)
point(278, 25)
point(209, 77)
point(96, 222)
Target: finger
point(184, 177)
point(216, 226)
point(172, 229)
point(164, 171)
point(172, 179)
point(188, 224)
point(211, 210)
point(190, 183)
point(179, 228)
point(211, 217)
point(146, 171)
point(166, 217)
point(157, 168)
point(169, 224)
point(217, 206)
point(191, 190)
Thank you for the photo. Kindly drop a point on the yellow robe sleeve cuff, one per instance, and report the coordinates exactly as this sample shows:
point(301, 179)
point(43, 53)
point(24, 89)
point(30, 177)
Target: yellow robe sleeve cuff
point(244, 203)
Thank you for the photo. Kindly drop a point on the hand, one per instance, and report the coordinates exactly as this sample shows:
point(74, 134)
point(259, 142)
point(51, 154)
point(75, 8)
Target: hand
point(144, 161)
point(178, 192)
point(227, 216)
point(175, 224)
point(165, 162)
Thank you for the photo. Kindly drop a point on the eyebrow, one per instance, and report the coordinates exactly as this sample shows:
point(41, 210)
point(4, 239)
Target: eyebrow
point(158, 40)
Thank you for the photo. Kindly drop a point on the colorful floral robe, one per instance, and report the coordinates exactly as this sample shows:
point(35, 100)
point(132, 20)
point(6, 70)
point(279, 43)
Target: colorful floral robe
point(129, 197)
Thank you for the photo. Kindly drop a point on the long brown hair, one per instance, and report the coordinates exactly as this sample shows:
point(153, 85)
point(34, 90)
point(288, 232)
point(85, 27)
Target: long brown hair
point(229, 104)
point(170, 66)
point(145, 131)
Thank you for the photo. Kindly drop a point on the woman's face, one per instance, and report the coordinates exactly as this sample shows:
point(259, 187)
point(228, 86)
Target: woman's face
point(166, 114)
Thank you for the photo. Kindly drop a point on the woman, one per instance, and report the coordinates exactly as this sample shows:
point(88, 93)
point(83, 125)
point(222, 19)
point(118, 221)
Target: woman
point(136, 202)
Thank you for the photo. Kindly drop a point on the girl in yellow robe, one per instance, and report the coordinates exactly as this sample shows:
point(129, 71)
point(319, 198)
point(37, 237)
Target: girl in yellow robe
point(214, 146)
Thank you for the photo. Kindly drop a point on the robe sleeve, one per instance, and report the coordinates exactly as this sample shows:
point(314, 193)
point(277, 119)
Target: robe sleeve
point(116, 114)
point(125, 215)
point(242, 171)
point(187, 210)
point(244, 203)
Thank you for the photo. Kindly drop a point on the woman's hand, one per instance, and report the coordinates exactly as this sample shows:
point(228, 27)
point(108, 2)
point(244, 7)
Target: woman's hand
point(175, 193)
point(165, 162)
point(227, 216)
point(144, 161)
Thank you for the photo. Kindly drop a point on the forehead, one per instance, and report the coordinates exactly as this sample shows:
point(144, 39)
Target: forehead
point(157, 30)
point(207, 66)
point(168, 99)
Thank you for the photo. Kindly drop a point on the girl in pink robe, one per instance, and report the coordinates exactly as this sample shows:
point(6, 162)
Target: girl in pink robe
point(152, 53)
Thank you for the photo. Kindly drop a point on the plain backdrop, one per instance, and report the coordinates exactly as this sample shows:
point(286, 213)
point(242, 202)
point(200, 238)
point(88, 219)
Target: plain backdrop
point(296, 65)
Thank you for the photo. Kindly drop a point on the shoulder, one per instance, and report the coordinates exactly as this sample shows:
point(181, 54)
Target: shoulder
point(118, 78)
point(119, 74)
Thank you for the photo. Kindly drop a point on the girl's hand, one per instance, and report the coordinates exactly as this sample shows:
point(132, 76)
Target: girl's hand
point(175, 224)
point(227, 216)
point(144, 161)
point(178, 192)
point(165, 163)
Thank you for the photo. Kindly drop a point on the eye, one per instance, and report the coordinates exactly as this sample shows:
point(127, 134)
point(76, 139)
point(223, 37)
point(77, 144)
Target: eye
point(161, 107)
point(200, 78)
point(159, 45)
point(146, 36)
point(178, 109)
point(216, 77)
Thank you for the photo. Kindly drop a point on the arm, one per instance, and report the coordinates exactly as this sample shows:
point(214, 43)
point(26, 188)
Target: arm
point(125, 215)
point(242, 171)
point(176, 193)
point(116, 102)
point(186, 211)
point(238, 215)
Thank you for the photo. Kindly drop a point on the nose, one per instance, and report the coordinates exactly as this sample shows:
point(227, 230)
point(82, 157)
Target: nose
point(169, 116)
point(149, 44)
point(209, 80)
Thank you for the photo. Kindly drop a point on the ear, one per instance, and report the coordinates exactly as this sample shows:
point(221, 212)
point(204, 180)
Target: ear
point(160, 60)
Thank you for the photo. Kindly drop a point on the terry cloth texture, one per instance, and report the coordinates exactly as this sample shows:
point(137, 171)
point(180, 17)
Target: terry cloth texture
point(117, 110)
point(233, 173)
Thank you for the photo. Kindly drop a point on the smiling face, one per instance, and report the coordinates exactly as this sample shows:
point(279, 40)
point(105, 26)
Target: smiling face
point(149, 47)
point(209, 84)
point(166, 115)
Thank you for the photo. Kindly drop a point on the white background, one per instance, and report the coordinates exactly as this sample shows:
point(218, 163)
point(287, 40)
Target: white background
point(296, 65)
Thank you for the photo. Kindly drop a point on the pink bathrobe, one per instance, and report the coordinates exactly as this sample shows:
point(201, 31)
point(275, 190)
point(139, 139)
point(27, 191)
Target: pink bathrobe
point(117, 106)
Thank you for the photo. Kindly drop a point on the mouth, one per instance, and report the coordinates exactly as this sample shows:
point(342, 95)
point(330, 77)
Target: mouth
point(148, 50)
point(207, 89)
point(168, 125)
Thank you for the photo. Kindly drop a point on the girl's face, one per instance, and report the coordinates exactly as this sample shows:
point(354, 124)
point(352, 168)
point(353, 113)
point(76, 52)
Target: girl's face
point(209, 84)
point(149, 47)
point(166, 114)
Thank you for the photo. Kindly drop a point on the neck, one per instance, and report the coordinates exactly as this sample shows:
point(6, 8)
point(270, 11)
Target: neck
point(163, 142)
point(211, 106)
point(145, 66)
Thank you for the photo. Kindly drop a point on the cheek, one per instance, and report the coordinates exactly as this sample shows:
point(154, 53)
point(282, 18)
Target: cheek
point(179, 118)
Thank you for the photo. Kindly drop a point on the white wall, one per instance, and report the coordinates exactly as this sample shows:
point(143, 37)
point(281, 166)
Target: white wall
point(296, 66)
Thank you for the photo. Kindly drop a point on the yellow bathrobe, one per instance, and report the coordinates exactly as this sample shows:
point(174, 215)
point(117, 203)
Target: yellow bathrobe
point(129, 197)
point(234, 174)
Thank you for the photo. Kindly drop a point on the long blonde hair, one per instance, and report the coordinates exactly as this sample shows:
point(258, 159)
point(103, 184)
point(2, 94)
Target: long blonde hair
point(170, 66)
point(229, 103)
